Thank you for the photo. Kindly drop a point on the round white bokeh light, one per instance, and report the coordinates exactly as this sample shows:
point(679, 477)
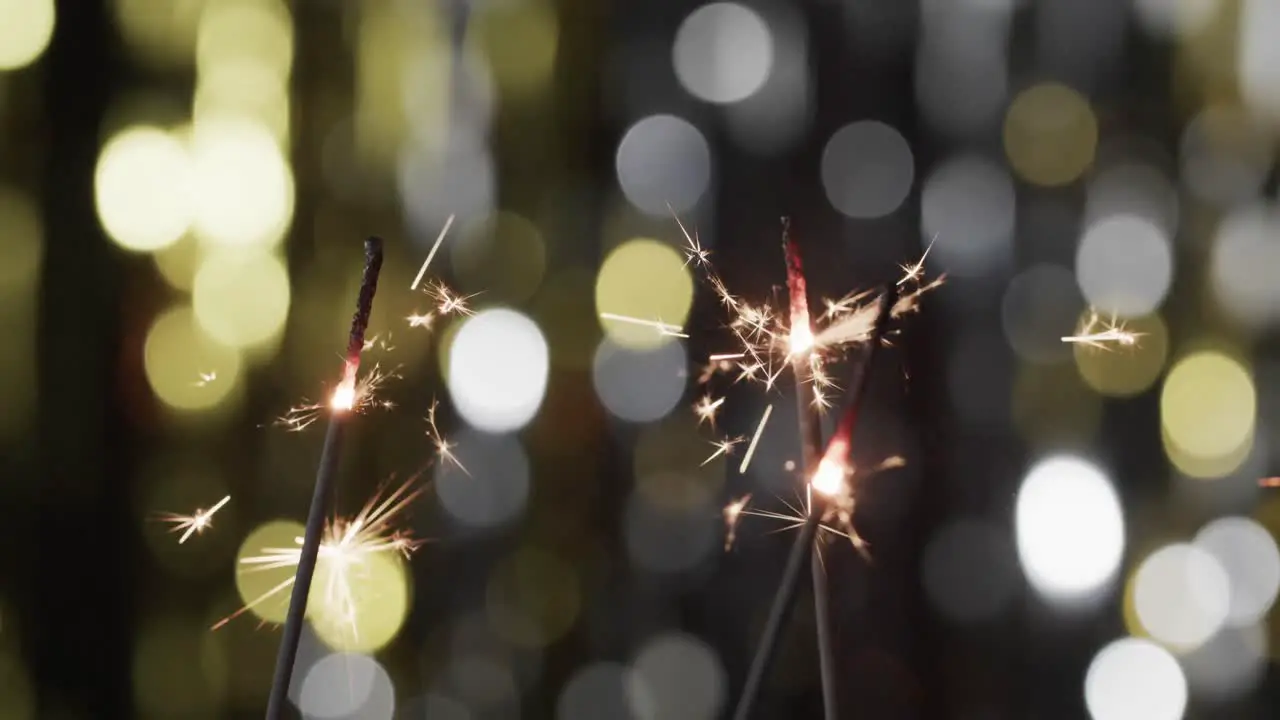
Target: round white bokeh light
point(1070, 529)
point(498, 370)
point(1181, 595)
point(723, 52)
point(1251, 560)
point(1125, 265)
point(1134, 678)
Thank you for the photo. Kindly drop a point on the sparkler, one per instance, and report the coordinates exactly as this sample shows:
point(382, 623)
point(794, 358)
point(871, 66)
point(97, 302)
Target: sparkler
point(195, 523)
point(345, 548)
point(826, 481)
point(342, 403)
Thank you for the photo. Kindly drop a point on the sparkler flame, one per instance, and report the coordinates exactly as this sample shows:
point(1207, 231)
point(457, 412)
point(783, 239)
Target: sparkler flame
point(195, 523)
point(346, 549)
point(1103, 335)
point(351, 395)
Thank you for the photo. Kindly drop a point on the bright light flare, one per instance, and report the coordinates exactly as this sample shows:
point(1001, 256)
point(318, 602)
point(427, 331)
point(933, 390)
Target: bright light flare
point(360, 396)
point(195, 523)
point(346, 548)
point(444, 448)
point(829, 478)
point(732, 514)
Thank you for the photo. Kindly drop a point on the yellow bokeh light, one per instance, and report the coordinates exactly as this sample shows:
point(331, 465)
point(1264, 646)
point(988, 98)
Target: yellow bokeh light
point(1050, 134)
point(235, 29)
point(520, 41)
point(255, 581)
point(142, 186)
point(646, 280)
point(178, 263)
point(504, 256)
point(1125, 371)
point(159, 32)
point(26, 26)
point(533, 598)
point(241, 298)
point(372, 614)
point(563, 310)
point(177, 673)
point(1207, 411)
point(243, 186)
point(244, 88)
point(21, 243)
point(186, 369)
point(17, 699)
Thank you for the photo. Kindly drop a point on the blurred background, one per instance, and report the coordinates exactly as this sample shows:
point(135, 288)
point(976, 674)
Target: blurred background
point(1077, 531)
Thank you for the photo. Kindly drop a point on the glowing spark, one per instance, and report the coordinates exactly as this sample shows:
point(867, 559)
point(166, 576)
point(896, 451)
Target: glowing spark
point(1269, 482)
point(1111, 332)
point(706, 409)
point(436, 246)
point(733, 513)
point(421, 321)
point(694, 252)
point(350, 395)
point(206, 378)
point(345, 550)
point(444, 448)
point(723, 447)
point(913, 273)
point(725, 356)
point(661, 327)
point(195, 523)
point(751, 446)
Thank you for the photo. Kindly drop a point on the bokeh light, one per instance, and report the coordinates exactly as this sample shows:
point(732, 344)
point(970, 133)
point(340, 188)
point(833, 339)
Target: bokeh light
point(967, 210)
point(1133, 678)
point(1181, 595)
point(867, 169)
point(1225, 155)
point(243, 187)
point(533, 598)
point(347, 685)
point(187, 369)
point(1240, 268)
point(1230, 665)
point(663, 164)
point(599, 690)
point(646, 280)
point(677, 676)
point(241, 298)
point(670, 540)
point(231, 30)
point(956, 556)
point(175, 671)
point(25, 31)
point(723, 52)
point(142, 188)
point(1248, 555)
point(1207, 412)
point(520, 41)
point(1125, 371)
point(1050, 134)
point(497, 372)
point(1124, 264)
point(494, 487)
point(503, 256)
point(1060, 497)
point(1041, 305)
point(639, 386)
point(253, 582)
point(1133, 189)
point(370, 607)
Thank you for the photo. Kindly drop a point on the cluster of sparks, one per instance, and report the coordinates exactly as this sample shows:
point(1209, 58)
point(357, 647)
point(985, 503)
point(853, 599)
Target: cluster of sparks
point(768, 340)
point(345, 550)
point(195, 523)
point(1103, 334)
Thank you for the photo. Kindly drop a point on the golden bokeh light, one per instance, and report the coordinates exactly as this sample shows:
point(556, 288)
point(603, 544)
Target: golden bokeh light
point(142, 186)
point(22, 247)
point(243, 185)
point(1124, 371)
point(178, 263)
point(26, 26)
point(1208, 408)
point(241, 298)
point(175, 672)
point(371, 616)
point(520, 41)
point(161, 33)
point(646, 280)
point(187, 370)
point(238, 29)
point(668, 463)
point(503, 256)
point(1050, 134)
point(244, 89)
point(253, 582)
point(533, 598)
point(21, 243)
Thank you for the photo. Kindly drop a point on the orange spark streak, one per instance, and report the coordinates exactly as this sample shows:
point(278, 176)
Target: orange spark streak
point(195, 523)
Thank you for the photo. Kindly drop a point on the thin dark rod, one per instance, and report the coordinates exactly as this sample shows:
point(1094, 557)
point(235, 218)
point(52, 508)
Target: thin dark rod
point(325, 475)
point(793, 573)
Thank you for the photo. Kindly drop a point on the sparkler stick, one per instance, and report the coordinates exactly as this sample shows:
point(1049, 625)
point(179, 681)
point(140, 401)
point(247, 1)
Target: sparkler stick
point(801, 350)
point(343, 398)
point(825, 480)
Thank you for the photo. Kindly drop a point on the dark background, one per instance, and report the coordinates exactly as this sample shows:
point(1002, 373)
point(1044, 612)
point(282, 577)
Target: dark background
point(104, 615)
